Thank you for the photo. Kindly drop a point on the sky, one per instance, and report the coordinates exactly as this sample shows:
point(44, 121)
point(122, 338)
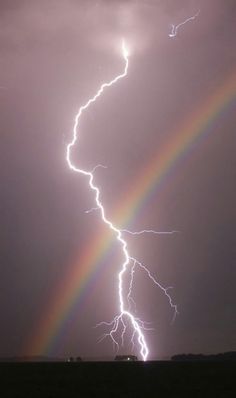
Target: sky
point(53, 58)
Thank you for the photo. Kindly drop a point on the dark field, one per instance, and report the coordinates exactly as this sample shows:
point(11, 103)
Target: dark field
point(118, 379)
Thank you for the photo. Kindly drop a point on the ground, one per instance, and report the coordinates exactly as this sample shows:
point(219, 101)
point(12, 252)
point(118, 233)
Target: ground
point(118, 379)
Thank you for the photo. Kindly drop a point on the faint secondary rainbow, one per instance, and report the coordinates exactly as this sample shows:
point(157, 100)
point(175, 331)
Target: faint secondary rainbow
point(80, 275)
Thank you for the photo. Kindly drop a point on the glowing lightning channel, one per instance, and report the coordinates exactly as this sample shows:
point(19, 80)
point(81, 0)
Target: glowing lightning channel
point(119, 320)
point(174, 28)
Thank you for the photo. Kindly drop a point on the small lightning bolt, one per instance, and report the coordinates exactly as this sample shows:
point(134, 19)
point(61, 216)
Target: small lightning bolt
point(174, 28)
point(149, 231)
point(125, 315)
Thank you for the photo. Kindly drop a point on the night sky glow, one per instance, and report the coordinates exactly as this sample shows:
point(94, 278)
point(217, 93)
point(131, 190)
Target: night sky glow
point(165, 134)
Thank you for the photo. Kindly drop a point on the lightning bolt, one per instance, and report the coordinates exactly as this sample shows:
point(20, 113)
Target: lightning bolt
point(125, 316)
point(174, 28)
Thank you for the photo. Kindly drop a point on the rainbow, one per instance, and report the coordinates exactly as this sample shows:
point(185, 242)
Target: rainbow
point(84, 271)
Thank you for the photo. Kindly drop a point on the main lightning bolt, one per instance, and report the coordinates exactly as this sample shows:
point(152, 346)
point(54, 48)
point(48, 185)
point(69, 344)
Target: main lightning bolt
point(174, 28)
point(125, 315)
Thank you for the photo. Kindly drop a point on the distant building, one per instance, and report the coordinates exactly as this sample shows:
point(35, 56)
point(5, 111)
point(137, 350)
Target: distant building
point(126, 358)
point(72, 359)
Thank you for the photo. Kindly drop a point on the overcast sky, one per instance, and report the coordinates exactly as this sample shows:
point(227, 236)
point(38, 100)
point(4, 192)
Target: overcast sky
point(53, 57)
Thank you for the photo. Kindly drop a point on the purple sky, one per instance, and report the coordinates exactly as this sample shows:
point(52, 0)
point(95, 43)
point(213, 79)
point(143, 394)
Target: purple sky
point(53, 57)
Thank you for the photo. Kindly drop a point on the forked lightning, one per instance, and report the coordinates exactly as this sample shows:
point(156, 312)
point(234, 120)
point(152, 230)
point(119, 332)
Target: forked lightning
point(125, 316)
